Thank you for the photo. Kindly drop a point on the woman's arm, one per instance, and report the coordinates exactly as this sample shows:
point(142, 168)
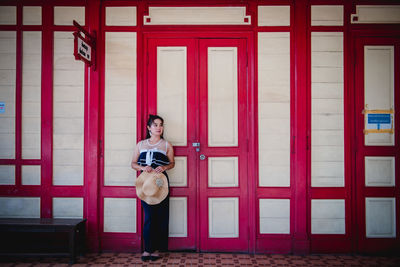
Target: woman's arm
point(170, 155)
point(135, 165)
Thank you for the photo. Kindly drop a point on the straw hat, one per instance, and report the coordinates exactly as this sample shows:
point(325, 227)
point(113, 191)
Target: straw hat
point(152, 187)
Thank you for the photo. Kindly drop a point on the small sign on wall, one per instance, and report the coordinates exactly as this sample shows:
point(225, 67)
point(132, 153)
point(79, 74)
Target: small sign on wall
point(84, 49)
point(2, 107)
point(84, 45)
point(378, 121)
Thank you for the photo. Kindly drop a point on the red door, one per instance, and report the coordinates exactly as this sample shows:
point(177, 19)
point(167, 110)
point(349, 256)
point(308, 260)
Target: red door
point(223, 153)
point(199, 87)
point(377, 152)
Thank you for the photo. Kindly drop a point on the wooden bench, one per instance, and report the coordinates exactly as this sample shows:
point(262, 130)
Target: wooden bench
point(35, 231)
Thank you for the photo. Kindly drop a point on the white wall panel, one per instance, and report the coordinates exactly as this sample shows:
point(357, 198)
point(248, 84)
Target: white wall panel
point(379, 87)
point(328, 173)
point(120, 215)
point(328, 216)
point(223, 171)
point(331, 122)
point(19, 207)
point(273, 15)
point(178, 217)
point(327, 154)
point(7, 93)
point(120, 108)
point(31, 94)
point(31, 175)
point(379, 76)
point(68, 141)
point(274, 216)
point(222, 96)
point(7, 175)
point(380, 171)
point(376, 14)
point(32, 15)
point(380, 217)
point(326, 15)
point(274, 109)
point(223, 217)
point(64, 15)
point(121, 16)
point(328, 90)
point(172, 92)
point(8, 15)
point(327, 135)
point(68, 113)
point(69, 175)
point(233, 15)
point(68, 207)
point(178, 175)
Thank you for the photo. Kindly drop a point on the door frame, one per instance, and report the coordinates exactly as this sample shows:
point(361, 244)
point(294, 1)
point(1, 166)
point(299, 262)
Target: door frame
point(362, 243)
point(143, 111)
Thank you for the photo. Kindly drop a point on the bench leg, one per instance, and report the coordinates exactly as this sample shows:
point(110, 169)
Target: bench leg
point(82, 239)
point(72, 246)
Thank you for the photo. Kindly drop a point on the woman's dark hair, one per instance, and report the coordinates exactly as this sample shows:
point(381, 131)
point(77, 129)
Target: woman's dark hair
point(150, 121)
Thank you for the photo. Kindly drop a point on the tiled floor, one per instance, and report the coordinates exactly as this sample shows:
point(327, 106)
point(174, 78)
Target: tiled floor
point(211, 259)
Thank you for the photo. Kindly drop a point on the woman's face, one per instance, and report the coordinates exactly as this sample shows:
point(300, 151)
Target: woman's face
point(156, 128)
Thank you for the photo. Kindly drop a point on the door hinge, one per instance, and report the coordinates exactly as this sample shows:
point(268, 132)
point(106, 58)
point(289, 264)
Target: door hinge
point(101, 148)
point(293, 143)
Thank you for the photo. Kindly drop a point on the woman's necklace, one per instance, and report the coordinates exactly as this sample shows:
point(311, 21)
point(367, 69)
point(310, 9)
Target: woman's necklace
point(148, 142)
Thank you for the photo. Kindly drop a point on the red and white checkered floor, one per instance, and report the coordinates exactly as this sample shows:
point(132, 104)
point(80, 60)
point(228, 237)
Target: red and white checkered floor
point(210, 259)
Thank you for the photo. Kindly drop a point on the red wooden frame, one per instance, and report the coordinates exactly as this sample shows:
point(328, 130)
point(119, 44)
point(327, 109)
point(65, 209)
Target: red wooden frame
point(339, 243)
point(116, 241)
point(364, 244)
point(46, 191)
point(294, 240)
point(300, 239)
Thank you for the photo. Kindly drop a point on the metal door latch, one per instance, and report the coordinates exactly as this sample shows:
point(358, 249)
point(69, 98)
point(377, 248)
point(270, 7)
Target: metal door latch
point(197, 146)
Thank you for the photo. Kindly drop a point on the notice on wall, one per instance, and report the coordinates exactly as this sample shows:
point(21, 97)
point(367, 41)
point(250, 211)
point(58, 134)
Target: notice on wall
point(2, 107)
point(378, 121)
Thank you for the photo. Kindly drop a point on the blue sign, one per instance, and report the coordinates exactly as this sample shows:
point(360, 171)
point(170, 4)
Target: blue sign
point(379, 121)
point(2, 107)
point(379, 118)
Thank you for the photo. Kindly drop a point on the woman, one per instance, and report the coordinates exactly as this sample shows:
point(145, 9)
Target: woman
point(154, 154)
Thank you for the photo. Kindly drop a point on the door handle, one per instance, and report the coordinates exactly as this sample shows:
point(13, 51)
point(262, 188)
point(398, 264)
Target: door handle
point(202, 157)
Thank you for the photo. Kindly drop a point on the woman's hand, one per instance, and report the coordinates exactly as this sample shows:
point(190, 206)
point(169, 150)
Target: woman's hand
point(147, 169)
point(160, 169)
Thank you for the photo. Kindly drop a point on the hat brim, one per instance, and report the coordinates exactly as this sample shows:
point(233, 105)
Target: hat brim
point(159, 195)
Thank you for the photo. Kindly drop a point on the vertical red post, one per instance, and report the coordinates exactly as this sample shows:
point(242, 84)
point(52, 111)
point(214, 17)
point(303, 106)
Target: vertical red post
point(91, 175)
point(301, 242)
point(47, 112)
